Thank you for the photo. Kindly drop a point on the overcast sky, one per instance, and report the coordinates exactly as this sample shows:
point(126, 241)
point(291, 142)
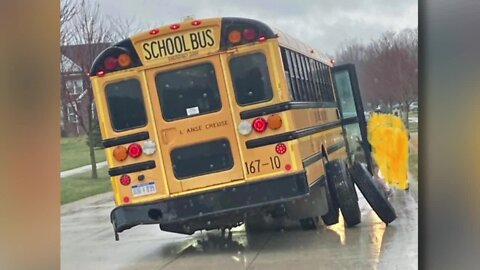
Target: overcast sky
point(323, 24)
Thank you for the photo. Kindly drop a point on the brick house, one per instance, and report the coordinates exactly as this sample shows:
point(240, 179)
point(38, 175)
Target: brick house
point(75, 105)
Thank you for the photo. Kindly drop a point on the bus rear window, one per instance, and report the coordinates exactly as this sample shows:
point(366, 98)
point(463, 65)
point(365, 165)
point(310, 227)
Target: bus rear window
point(202, 158)
point(251, 80)
point(125, 104)
point(188, 92)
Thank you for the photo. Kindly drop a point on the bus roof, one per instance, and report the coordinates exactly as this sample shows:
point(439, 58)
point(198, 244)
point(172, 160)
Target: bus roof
point(128, 45)
point(292, 43)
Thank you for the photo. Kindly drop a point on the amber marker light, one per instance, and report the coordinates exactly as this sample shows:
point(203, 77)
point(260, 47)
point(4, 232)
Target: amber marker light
point(234, 36)
point(274, 121)
point(124, 60)
point(120, 153)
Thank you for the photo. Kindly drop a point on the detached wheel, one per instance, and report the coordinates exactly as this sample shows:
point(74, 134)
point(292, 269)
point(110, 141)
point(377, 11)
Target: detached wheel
point(310, 223)
point(344, 191)
point(373, 193)
point(331, 217)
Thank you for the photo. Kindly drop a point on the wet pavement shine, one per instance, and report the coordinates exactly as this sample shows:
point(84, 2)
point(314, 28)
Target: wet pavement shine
point(87, 242)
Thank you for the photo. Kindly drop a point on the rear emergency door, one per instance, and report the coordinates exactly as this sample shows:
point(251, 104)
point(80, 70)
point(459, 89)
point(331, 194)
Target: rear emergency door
point(194, 125)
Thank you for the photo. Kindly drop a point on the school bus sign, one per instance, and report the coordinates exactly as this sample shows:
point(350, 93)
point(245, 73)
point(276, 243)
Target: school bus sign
point(180, 45)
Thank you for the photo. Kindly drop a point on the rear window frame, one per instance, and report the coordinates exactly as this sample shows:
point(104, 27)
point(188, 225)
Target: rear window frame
point(203, 173)
point(160, 99)
point(268, 72)
point(110, 118)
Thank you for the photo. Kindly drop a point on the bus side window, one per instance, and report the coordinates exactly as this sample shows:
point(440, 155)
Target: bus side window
point(251, 79)
point(315, 80)
point(328, 83)
point(125, 105)
point(302, 78)
point(308, 74)
point(287, 69)
point(322, 81)
point(297, 76)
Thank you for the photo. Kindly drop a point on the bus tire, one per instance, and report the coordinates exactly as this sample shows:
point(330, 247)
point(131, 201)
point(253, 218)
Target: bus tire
point(373, 193)
point(331, 217)
point(310, 223)
point(344, 190)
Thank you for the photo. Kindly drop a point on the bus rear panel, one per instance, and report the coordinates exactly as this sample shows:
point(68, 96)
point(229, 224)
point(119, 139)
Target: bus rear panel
point(202, 124)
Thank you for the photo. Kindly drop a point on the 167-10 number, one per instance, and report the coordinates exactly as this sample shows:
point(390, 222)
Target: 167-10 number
point(254, 165)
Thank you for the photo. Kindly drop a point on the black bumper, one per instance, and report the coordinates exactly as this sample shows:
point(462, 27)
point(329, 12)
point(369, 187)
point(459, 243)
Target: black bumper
point(218, 202)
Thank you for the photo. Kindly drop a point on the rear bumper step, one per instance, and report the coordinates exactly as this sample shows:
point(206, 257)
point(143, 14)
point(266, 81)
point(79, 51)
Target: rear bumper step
point(234, 199)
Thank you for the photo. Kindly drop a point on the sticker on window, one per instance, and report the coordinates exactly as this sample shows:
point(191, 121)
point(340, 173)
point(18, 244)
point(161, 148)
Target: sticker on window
point(193, 111)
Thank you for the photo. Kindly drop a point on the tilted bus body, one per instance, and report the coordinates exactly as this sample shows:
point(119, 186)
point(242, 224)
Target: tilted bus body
point(207, 122)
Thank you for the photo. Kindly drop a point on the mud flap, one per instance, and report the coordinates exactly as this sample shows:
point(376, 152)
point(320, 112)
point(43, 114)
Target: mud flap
point(344, 193)
point(373, 193)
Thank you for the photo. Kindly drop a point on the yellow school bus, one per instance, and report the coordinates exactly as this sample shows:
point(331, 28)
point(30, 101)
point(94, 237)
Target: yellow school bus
point(207, 123)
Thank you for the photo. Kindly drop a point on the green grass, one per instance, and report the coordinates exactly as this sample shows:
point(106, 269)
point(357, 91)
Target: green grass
point(80, 186)
point(75, 153)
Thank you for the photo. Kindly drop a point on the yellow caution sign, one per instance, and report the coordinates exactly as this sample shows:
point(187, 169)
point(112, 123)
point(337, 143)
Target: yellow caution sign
point(389, 139)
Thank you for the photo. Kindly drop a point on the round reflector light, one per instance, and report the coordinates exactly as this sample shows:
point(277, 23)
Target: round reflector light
point(134, 150)
point(110, 63)
point(249, 34)
point(126, 199)
point(244, 128)
point(288, 167)
point(124, 60)
point(149, 147)
point(125, 180)
point(259, 124)
point(120, 153)
point(274, 121)
point(281, 148)
point(234, 36)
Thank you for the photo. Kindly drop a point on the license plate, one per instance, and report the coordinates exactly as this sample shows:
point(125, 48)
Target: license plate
point(144, 189)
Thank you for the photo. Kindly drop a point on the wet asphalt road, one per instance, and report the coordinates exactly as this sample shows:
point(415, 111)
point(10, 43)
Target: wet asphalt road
point(87, 242)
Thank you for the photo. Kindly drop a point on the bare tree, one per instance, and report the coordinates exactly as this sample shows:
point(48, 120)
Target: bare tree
point(124, 27)
point(387, 67)
point(68, 11)
point(89, 37)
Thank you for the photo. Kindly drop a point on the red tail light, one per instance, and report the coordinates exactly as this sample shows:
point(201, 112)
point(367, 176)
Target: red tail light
point(196, 23)
point(249, 34)
point(154, 31)
point(100, 73)
point(134, 150)
point(125, 180)
point(259, 124)
point(175, 26)
point(262, 38)
point(110, 63)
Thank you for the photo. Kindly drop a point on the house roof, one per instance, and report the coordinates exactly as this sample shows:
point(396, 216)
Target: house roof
point(81, 56)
